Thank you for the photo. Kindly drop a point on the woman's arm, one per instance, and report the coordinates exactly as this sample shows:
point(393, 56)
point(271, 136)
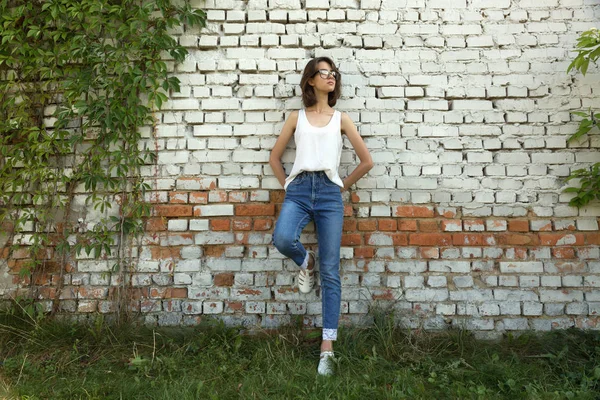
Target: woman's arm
point(366, 162)
point(279, 148)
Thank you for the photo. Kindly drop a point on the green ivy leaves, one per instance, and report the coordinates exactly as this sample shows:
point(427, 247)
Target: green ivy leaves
point(78, 81)
point(588, 49)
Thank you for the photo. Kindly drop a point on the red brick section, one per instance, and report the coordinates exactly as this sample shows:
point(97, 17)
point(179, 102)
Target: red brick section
point(514, 239)
point(400, 239)
point(518, 225)
point(4, 253)
point(429, 226)
point(224, 279)
point(592, 238)
point(164, 253)
point(407, 225)
point(414, 211)
point(563, 252)
point(156, 224)
point(255, 210)
point(424, 227)
point(350, 225)
point(387, 225)
point(173, 211)
point(262, 224)
point(364, 252)
point(367, 225)
point(234, 306)
point(47, 292)
point(166, 293)
point(430, 239)
point(214, 251)
point(220, 225)
point(351, 239)
point(43, 279)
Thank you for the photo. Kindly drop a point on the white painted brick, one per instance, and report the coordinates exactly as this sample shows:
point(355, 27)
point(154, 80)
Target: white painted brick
point(449, 266)
point(449, 4)
point(407, 266)
point(437, 281)
point(463, 281)
point(414, 281)
point(178, 225)
point(212, 307)
point(572, 281)
point(445, 309)
point(471, 295)
point(529, 281)
point(515, 324)
point(508, 281)
point(576, 309)
point(216, 210)
point(548, 295)
point(426, 295)
point(587, 224)
point(489, 309)
point(188, 266)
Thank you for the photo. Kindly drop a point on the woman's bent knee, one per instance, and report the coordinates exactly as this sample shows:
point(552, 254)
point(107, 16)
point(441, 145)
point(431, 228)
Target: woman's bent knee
point(282, 241)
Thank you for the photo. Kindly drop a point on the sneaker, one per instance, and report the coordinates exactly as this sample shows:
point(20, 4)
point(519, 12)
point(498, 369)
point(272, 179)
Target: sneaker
point(326, 363)
point(306, 277)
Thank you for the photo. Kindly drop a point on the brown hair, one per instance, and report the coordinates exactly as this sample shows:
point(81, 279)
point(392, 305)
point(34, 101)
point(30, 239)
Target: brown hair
point(308, 92)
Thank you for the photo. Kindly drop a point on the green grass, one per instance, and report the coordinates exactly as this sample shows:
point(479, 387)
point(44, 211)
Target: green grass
point(57, 360)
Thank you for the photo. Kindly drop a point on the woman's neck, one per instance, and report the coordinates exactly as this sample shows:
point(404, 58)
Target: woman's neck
point(322, 104)
point(320, 107)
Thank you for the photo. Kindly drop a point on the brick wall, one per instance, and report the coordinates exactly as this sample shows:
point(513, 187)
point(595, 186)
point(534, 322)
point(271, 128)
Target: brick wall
point(464, 105)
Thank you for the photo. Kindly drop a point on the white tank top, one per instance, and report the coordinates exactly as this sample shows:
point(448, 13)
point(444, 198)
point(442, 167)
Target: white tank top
point(317, 148)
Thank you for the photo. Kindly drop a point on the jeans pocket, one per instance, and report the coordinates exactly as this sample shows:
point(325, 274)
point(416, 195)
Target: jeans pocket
point(329, 182)
point(295, 182)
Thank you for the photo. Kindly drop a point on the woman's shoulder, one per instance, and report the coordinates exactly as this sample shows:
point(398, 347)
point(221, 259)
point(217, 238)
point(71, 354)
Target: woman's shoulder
point(294, 115)
point(345, 116)
point(292, 118)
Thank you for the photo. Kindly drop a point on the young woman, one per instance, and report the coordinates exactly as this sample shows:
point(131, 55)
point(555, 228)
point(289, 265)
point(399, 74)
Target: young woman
point(314, 189)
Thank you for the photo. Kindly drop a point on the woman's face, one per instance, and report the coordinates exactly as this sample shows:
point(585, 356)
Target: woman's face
point(321, 80)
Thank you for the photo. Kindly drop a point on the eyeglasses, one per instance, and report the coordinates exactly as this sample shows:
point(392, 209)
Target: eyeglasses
point(325, 73)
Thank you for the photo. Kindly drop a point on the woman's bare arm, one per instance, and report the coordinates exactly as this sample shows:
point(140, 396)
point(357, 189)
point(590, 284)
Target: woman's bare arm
point(366, 162)
point(279, 148)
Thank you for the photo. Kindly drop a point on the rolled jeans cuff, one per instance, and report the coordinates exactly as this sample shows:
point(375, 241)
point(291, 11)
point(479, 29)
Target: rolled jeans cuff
point(329, 334)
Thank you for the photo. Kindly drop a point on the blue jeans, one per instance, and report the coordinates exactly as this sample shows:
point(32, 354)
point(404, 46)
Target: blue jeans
point(312, 196)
